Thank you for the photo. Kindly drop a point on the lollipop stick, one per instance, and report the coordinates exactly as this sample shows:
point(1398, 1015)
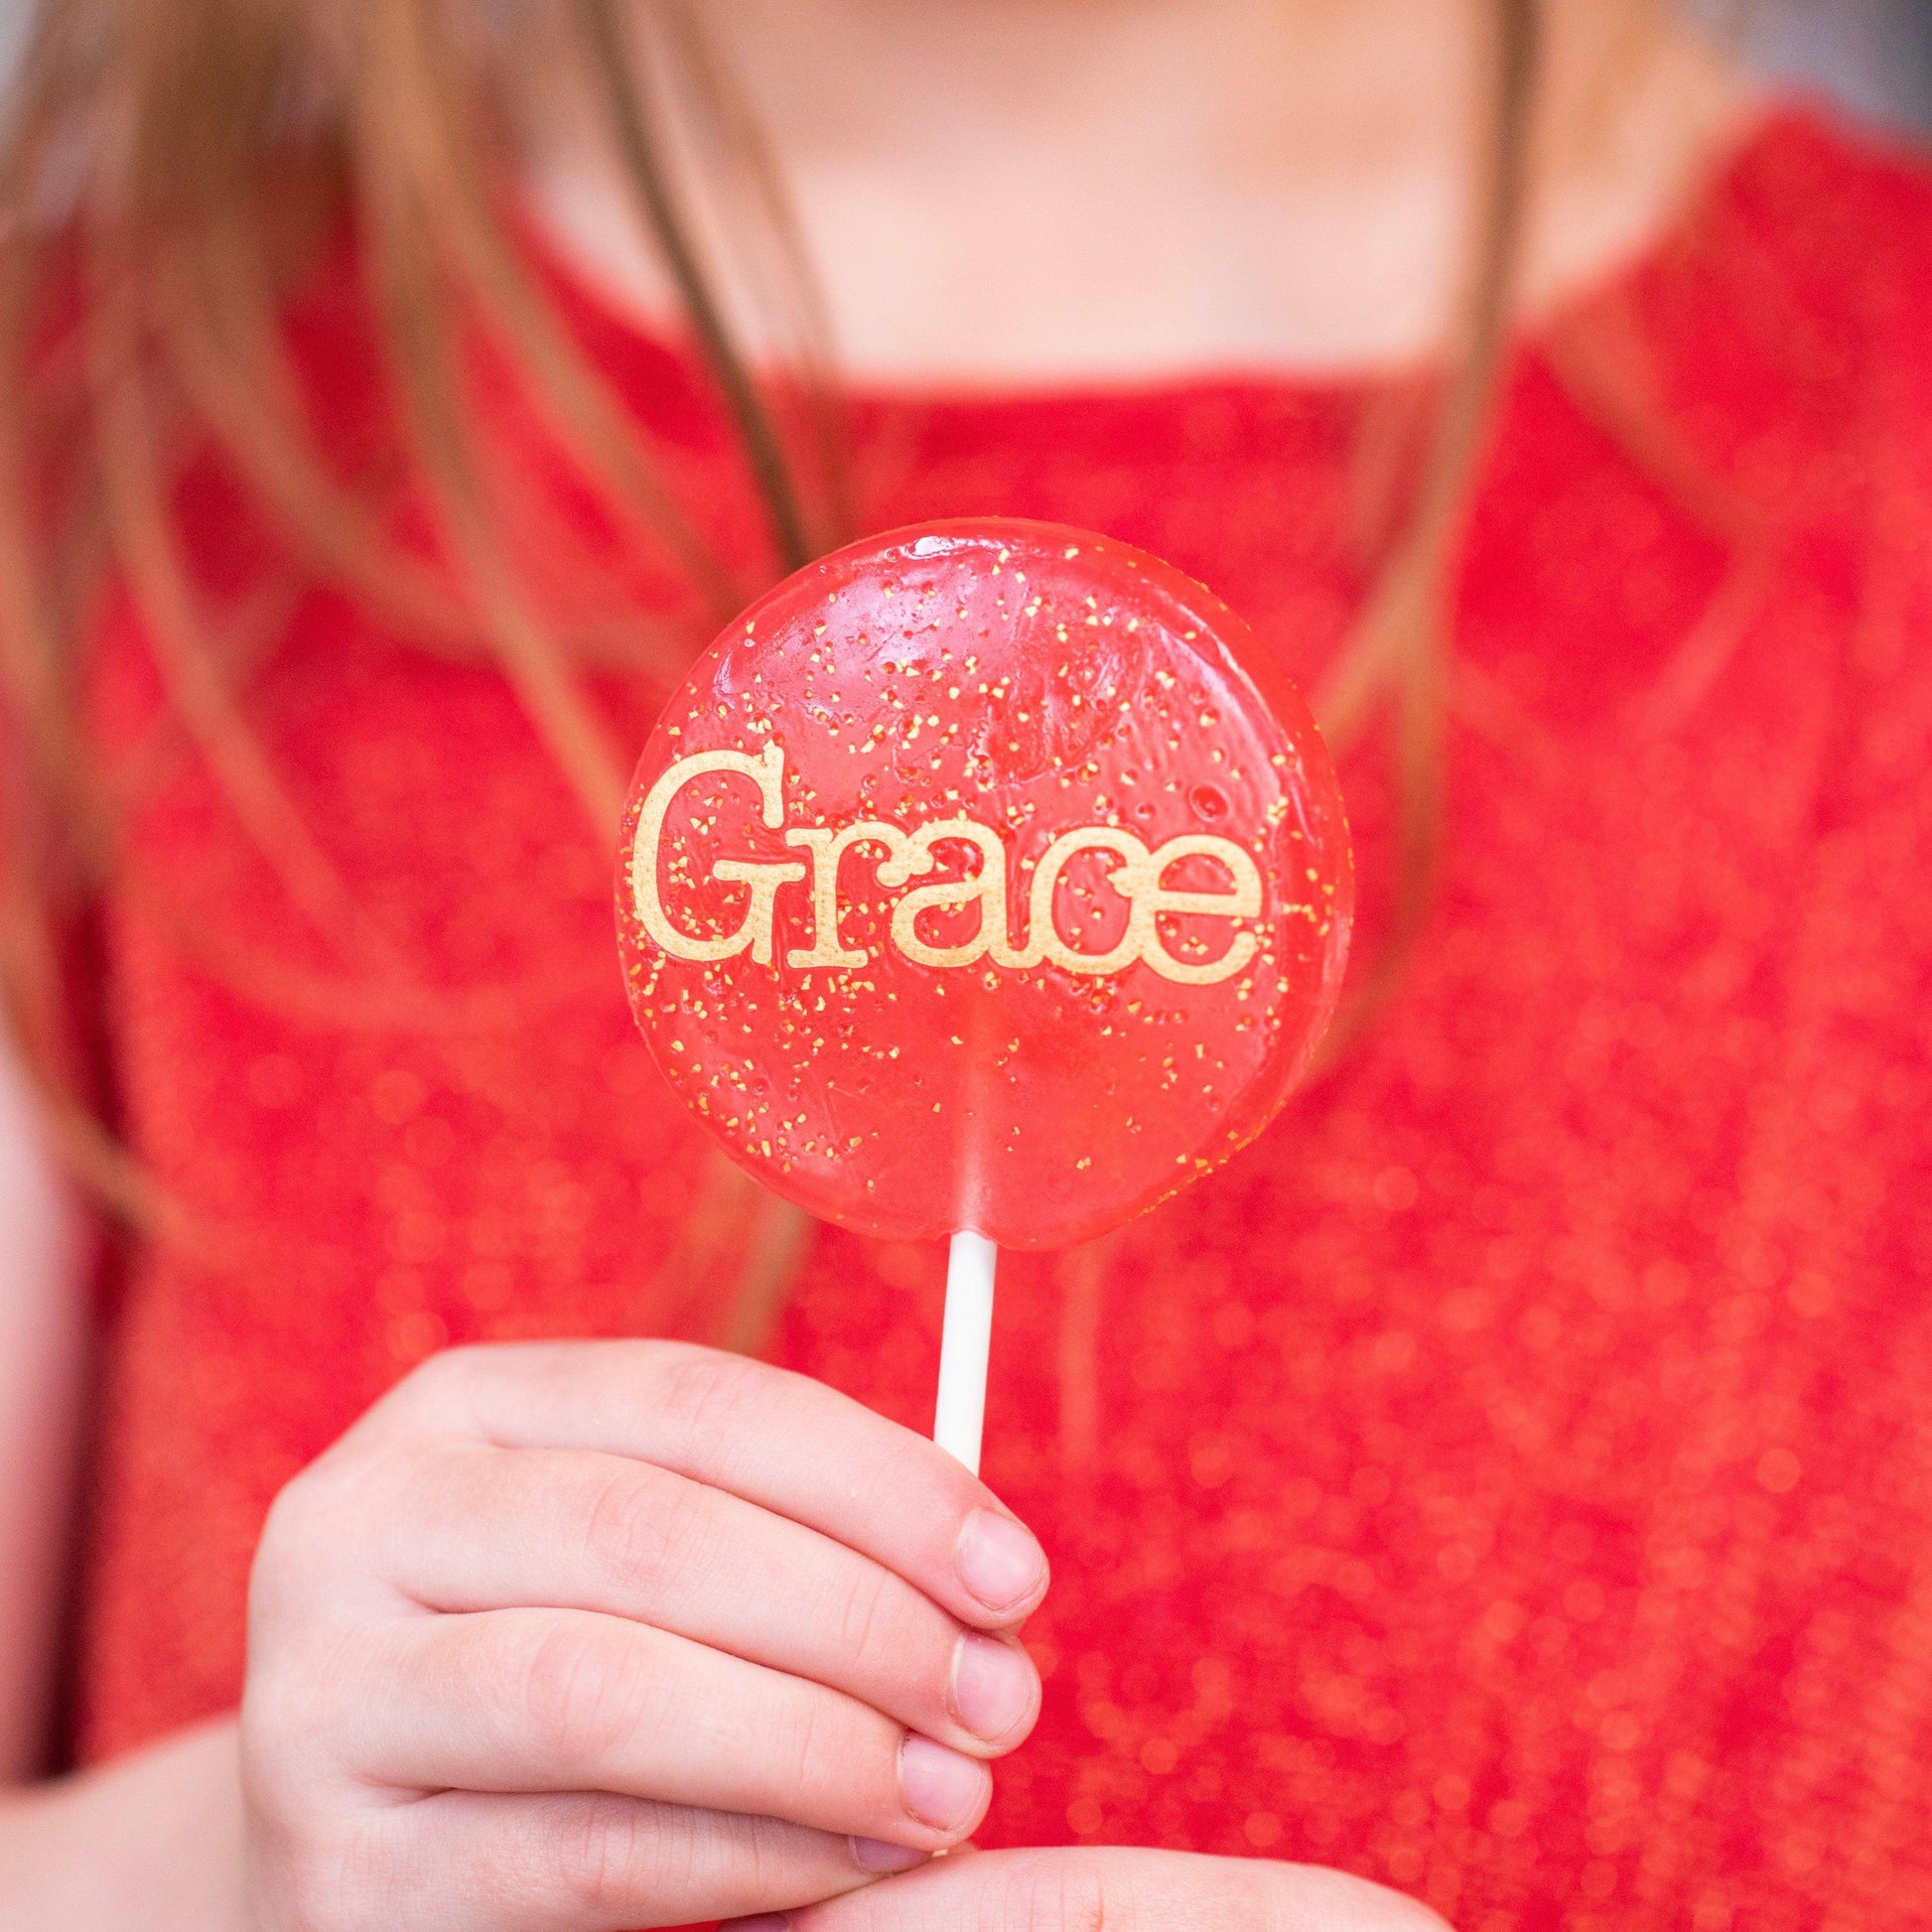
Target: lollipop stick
point(963, 1346)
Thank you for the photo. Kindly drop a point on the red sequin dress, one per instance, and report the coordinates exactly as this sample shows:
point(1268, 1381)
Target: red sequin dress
point(1512, 1477)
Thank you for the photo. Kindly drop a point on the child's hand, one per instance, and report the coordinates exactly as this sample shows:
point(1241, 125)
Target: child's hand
point(1061, 1891)
point(605, 1634)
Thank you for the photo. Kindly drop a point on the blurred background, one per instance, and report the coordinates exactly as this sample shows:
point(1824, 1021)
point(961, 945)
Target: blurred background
point(1874, 55)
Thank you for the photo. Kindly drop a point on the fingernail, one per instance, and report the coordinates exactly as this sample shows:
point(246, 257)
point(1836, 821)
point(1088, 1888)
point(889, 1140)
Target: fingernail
point(993, 1686)
point(944, 1789)
point(999, 1562)
point(876, 1855)
point(764, 1922)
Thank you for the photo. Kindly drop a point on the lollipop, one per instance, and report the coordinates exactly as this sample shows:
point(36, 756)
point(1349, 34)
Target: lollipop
point(984, 880)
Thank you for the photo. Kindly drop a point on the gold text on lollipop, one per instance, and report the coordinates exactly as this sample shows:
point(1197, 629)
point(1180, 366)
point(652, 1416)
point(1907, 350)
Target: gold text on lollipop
point(1136, 876)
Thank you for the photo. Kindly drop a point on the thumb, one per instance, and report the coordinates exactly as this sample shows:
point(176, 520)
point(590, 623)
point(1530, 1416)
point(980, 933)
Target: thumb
point(1068, 1890)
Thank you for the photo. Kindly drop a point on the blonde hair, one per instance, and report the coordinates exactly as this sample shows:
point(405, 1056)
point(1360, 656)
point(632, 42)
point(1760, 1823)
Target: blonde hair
point(168, 172)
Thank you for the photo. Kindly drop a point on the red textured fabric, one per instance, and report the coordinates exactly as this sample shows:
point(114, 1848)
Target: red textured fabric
point(1511, 1479)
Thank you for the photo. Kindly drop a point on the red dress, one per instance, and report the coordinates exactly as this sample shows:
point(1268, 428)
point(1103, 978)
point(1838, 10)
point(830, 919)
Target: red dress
point(1513, 1478)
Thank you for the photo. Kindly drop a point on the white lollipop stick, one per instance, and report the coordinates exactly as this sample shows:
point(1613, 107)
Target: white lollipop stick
point(963, 1348)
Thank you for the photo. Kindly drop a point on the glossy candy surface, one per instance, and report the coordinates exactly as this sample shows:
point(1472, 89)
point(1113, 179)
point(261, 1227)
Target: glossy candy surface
point(984, 874)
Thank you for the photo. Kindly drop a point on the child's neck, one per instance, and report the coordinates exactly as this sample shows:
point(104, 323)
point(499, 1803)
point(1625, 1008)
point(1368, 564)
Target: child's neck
point(1053, 190)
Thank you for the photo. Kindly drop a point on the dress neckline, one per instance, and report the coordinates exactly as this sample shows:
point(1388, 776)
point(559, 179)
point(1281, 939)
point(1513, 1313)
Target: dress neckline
point(631, 340)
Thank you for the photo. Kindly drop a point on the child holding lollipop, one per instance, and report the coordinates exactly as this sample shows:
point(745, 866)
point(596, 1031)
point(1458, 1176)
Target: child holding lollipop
point(1499, 1493)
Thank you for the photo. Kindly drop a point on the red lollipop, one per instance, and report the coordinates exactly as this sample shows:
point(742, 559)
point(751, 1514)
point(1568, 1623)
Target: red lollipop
point(984, 878)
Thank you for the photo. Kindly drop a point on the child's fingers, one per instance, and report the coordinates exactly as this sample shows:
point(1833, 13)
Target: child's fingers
point(475, 1528)
point(537, 1700)
point(780, 1441)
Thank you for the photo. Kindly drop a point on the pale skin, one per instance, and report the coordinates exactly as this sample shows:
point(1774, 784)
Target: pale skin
point(592, 1636)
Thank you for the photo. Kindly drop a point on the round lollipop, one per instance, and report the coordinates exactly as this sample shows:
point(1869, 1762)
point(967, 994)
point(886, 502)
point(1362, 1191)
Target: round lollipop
point(984, 880)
